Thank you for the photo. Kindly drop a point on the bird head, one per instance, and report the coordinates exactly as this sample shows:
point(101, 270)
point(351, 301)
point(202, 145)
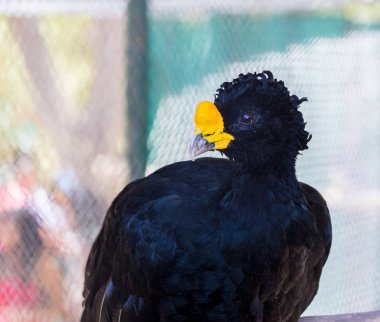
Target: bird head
point(253, 120)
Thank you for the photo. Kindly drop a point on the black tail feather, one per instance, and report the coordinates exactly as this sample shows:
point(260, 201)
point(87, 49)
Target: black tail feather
point(104, 307)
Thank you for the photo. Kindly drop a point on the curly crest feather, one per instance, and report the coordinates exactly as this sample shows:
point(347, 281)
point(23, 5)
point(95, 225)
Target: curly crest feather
point(272, 95)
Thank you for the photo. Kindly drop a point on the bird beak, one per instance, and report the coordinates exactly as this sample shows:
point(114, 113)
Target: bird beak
point(209, 130)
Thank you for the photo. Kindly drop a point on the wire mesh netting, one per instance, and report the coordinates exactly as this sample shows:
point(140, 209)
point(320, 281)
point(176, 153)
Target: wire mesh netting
point(65, 130)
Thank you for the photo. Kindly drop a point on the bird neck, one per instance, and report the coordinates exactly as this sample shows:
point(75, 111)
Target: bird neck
point(283, 169)
point(278, 177)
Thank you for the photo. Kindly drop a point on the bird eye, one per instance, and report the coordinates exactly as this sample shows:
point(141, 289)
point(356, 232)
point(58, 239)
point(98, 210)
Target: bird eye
point(247, 118)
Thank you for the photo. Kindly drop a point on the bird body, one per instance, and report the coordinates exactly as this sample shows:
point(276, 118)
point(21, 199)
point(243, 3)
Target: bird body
point(210, 240)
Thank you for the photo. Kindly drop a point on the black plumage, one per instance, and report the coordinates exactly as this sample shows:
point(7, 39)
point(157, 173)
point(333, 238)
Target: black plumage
point(233, 240)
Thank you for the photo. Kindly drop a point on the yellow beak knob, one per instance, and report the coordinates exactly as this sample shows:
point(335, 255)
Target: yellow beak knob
point(209, 123)
point(208, 119)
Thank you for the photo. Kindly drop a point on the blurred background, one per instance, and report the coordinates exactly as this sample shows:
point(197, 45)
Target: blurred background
point(94, 94)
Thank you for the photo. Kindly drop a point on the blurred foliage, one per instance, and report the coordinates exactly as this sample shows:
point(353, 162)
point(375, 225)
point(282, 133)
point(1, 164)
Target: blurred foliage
point(68, 42)
point(367, 13)
point(17, 128)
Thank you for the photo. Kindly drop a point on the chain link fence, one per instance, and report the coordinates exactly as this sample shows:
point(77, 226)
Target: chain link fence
point(91, 96)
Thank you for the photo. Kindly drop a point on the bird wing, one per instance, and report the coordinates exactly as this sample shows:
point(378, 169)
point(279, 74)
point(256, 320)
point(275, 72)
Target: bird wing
point(130, 238)
point(320, 211)
point(308, 240)
point(319, 251)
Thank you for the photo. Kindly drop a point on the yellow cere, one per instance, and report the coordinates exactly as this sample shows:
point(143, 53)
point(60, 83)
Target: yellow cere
point(209, 122)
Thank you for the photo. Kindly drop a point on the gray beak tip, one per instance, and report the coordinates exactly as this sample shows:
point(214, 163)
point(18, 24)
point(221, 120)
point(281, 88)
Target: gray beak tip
point(200, 145)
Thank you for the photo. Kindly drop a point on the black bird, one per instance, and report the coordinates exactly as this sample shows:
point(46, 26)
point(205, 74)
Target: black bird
point(227, 240)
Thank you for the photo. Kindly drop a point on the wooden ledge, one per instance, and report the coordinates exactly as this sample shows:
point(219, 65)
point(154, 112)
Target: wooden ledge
point(354, 317)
